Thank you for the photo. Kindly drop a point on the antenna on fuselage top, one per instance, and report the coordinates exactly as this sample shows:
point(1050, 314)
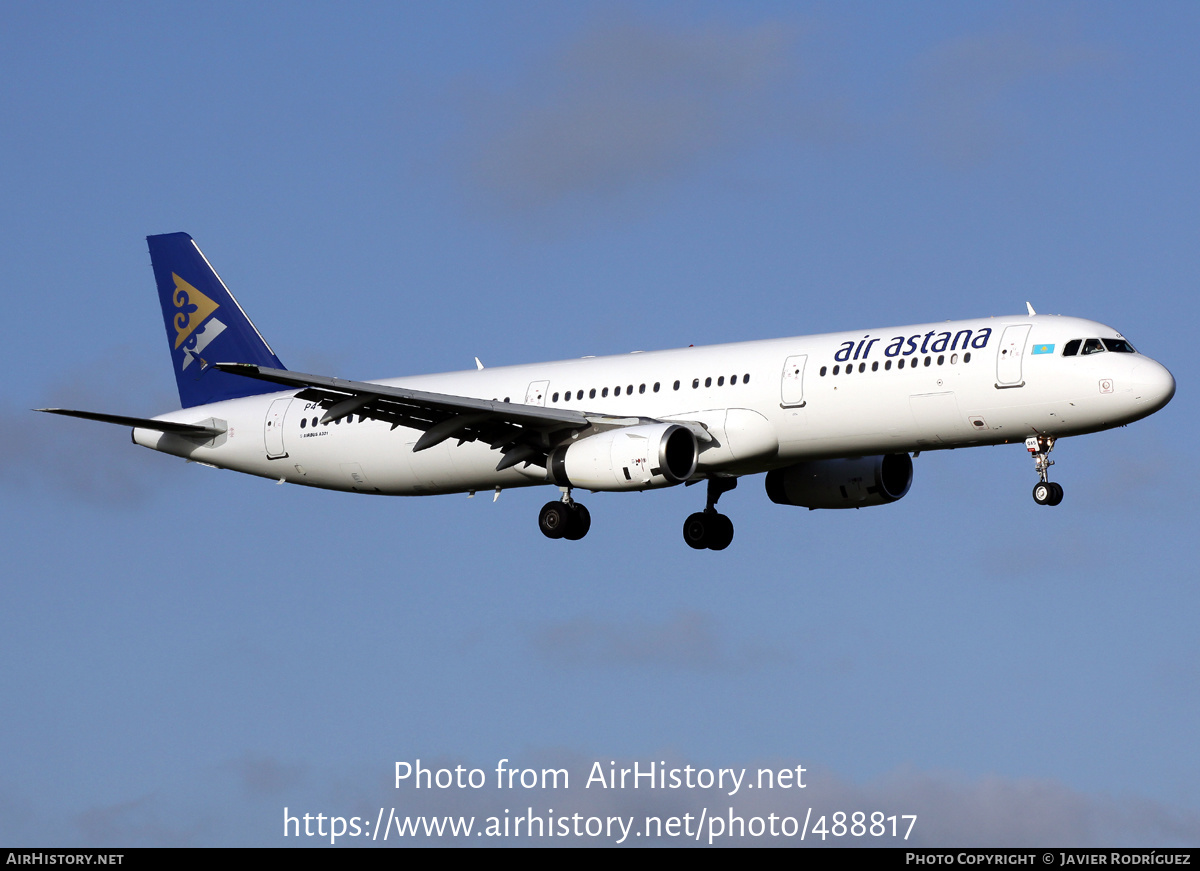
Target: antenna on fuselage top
point(1029, 306)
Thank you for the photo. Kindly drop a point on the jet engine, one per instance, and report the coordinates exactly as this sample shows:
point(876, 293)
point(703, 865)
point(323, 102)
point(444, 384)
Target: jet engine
point(629, 458)
point(852, 483)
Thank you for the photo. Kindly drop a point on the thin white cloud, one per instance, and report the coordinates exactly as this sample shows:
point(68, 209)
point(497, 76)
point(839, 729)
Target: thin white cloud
point(263, 776)
point(690, 640)
point(139, 822)
point(968, 91)
point(631, 103)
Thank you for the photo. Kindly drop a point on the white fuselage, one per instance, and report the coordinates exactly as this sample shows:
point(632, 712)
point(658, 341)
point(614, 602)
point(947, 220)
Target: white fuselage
point(766, 404)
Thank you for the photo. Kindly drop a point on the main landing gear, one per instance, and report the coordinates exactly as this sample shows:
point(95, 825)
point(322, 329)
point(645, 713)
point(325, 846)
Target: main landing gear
point(565, 518)
point(707, 528)
point(1045, 491)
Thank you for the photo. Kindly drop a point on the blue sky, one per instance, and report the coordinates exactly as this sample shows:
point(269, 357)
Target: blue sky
point(394, 189)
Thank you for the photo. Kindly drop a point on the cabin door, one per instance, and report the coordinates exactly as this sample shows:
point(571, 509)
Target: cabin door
point(1010, 354)
point(792, 388)
point(273, 428)
point(536, 394)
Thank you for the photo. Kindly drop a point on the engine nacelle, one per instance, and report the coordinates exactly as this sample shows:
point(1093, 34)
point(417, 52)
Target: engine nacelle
point(853, 483)
point(630, 458)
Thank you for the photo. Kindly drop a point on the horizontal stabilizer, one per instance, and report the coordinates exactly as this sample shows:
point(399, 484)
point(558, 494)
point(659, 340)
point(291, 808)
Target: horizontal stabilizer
point(184, 429)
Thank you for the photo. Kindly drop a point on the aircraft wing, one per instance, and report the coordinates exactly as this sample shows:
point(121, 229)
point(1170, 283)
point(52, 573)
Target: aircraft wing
point(521, 432)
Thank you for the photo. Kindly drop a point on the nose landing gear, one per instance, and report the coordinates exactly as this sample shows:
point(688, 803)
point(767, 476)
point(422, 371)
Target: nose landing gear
point(708, 528)
point(1045, 492)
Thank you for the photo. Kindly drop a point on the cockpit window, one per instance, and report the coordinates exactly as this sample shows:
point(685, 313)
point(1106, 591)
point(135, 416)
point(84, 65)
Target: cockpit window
point(1072, 347)
point(1092, 346)
point(1119, 346)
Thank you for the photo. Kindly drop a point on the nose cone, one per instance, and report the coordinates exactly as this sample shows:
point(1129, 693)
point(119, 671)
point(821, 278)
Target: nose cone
point(1153, 386)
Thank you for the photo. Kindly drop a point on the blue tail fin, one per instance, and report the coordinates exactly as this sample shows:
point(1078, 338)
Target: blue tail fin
point(205, 325)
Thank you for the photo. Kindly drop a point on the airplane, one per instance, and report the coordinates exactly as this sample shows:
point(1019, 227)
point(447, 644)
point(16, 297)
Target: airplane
point(833, 420)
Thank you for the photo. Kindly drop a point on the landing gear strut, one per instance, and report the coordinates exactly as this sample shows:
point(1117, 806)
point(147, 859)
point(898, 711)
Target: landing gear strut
point(707, 528)
point(1045, 492)
point(565, 518)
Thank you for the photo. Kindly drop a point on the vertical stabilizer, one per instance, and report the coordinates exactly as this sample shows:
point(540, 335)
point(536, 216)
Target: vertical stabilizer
point(205, 325)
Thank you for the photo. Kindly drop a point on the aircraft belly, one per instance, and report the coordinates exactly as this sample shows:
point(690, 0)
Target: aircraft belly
point(453, 468)
point(430, 471)
point(370, 457)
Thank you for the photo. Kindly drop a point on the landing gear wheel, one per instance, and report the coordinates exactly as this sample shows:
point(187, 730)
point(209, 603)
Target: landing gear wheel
point(554, 519)
point(708, 530)
point(720, 532)
point(1057, 495)
point(580, 521)
point(1043, 492)
point(695, 531)
point(1047, 493)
